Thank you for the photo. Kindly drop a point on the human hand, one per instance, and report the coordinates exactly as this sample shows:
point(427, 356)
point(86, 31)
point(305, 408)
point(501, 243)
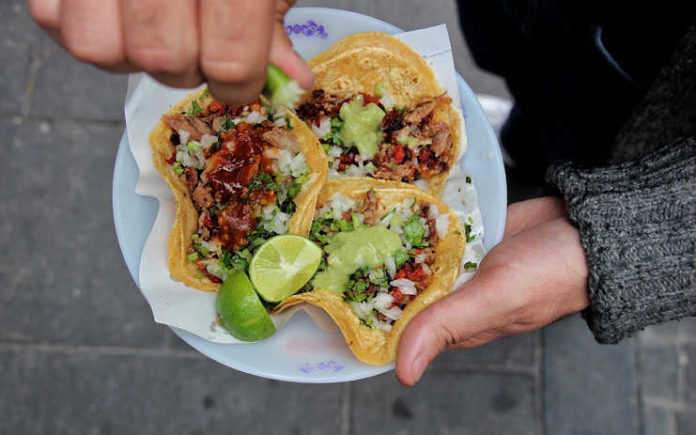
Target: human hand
point(537, 274)
point(181, 43)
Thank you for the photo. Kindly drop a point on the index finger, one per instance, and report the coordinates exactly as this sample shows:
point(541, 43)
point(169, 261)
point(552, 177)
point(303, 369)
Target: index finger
point(235, 44)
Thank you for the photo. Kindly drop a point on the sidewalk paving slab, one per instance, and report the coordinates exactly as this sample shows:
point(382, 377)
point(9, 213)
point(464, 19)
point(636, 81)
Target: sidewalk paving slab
point(514, 352)
point(659, 365)
point(86, 393)
point(66, 281)
point(589, 388)
point(690, 374)
point(96, 95)
point(445, 402)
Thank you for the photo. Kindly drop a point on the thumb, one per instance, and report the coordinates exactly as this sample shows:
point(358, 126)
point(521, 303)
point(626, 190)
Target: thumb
point(286, 58)
point(449, 321)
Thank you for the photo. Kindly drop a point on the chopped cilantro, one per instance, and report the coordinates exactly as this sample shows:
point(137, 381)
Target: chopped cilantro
point(336, 123)
point(400, 258)
point(205, 94)
point(288, 206)
point(470, 266)
point(195, 109)
point(335, 134)
point(236, 261)
point(357, 286)
point(468, 179)
point(414, 231)
point(459, 233)
point(469, 237)
point(202, 250)
point(192, 256)
point(341, 226)
point(257, 237)
point(288, 123)
point(263, 180)
point(228, 124)
point(178, 168)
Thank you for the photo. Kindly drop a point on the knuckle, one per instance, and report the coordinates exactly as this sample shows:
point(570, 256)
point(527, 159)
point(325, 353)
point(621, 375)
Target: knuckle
point(89, 52)
point(234, 94)
point(230, 71)
point(158, 60)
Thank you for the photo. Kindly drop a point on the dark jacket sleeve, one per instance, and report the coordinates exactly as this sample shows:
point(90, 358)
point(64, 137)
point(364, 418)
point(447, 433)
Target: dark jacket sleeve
point(637, 223)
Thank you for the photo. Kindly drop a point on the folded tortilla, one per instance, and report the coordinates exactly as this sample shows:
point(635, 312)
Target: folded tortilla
point(372, 345)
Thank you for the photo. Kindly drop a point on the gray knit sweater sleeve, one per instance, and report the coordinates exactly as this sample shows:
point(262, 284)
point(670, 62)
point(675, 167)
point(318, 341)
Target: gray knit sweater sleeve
point(637, 223)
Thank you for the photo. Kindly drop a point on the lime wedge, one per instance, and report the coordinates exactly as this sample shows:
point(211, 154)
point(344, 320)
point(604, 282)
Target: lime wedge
point(282, 265)
point(241, 310)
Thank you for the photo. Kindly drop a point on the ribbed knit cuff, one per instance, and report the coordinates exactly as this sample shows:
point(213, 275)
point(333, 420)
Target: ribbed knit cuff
point(637, 223)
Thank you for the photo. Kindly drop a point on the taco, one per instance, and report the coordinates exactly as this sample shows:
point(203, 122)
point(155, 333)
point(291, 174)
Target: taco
point(390, 249)
point(379, 111)
point(240, 175)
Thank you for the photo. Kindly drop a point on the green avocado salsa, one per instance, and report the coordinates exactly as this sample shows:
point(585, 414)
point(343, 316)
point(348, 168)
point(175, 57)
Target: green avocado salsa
point(364, 247)
point(361, 126)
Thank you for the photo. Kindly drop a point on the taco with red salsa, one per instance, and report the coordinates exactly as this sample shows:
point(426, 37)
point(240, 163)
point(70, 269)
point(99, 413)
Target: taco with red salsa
point(390, 250)
point(240, 175)
point(379, 112)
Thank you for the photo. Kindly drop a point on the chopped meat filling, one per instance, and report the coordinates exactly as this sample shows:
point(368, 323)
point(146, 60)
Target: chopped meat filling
point(414, 145)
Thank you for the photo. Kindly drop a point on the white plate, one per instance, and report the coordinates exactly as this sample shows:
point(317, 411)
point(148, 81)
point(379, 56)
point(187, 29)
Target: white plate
point(301, 352)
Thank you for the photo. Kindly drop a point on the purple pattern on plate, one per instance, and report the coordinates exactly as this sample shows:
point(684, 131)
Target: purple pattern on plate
point(322, 366)
point(310, 28)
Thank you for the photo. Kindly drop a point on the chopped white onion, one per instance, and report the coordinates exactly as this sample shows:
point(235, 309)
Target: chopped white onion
point(411, 291)
point(387, 101)
point(217, 270)
point(390, 265)
point(433, 212)
point(402, 282)
point(405, 209)
point(420, 258)
point(335, 152)
point(426, 269)
point(340, 203)
point(386, 219)
point(183, 136)
point(382, 301)
point(405, 286)
point(361, 309)
point(255, 117)
point(424, 222)
point(360, 169)
point(291, 165)
point(208, 140)
point(384, 326)
point(442, 225)
point(392, 313)
point(275, 220)
point(323, 129)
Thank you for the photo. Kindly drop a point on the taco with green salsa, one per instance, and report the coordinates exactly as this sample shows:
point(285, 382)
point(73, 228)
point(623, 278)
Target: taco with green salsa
point(390, 250)
point(379, 112)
